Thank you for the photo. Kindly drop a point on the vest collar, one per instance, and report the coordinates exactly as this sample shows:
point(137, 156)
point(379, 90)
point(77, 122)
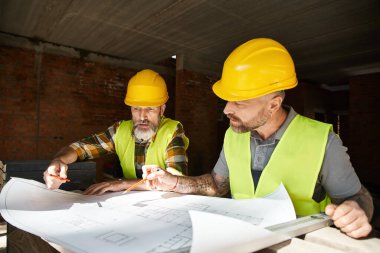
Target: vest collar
point(291, 115)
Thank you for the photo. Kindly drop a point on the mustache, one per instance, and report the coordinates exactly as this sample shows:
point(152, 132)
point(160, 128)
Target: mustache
point(230, 116)
point(145, 121)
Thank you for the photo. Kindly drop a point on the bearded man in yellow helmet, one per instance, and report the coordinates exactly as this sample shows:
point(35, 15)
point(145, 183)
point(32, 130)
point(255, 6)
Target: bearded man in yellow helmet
point(149, 138)
point(269, 143)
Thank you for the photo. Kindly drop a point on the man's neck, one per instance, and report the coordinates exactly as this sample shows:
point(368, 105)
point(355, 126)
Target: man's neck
point(273, 124)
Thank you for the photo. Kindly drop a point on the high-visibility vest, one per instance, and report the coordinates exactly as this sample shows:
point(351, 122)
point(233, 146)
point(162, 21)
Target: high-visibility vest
point(156, 153)
point(296, 162)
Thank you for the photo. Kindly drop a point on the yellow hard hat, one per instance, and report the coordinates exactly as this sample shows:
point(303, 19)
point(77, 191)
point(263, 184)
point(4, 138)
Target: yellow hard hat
point(256, 68)
point(146, 88)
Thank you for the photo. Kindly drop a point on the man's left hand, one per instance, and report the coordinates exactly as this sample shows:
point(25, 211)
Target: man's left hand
point(103, 187)
point(349, 218)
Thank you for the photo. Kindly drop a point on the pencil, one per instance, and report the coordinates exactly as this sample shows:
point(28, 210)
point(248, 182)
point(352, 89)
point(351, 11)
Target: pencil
point(134, 185)
point(60, 178)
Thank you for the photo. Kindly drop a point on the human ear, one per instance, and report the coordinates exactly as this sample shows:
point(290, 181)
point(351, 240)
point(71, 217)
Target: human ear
point(275, 104)
point(162, 109)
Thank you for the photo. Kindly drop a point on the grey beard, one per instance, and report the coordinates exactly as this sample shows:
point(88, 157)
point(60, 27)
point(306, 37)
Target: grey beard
point(143, 136)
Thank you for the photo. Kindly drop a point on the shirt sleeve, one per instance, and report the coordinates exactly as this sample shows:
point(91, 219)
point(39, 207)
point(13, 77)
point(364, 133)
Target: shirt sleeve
point(338, 177)
point(96, 145)
point(176, 151)
point(221, 167)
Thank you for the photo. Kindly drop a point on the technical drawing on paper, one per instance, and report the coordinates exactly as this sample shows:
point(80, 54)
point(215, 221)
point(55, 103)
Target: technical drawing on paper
point(148, 221)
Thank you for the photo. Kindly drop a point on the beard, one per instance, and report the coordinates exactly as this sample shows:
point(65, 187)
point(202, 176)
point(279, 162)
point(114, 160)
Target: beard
point(144, 134)
point(238, 126)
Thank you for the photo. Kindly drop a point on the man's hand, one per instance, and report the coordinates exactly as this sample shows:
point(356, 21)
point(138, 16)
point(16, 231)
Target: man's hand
point(56, 168)
point(103, 187)
point(349, 218)
point(159, 179)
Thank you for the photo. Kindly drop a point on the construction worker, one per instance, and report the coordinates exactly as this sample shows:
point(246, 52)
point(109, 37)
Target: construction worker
point(148, 138)
point(269, 143)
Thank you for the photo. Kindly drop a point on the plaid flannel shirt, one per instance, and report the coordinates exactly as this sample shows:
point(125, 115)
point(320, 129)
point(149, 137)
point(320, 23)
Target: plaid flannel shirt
point(103, 143)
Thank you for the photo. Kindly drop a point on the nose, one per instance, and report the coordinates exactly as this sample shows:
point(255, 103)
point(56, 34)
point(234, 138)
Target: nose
point(143, 114)
point(228, 109)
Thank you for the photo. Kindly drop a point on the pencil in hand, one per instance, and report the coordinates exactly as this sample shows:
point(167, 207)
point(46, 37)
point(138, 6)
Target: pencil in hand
point(130, 188)
point(60, 178)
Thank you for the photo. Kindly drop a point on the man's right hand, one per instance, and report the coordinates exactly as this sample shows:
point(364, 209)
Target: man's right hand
point(159, 179)
point(56, 168)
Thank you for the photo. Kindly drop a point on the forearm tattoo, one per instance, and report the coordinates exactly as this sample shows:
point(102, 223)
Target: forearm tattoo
point(222, 184)
point(208, 184)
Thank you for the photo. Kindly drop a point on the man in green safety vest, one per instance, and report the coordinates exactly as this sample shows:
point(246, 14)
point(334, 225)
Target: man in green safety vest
point(149, 138)
point(269, 143)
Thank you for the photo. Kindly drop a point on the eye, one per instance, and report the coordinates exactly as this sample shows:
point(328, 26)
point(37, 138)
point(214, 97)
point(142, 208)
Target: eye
point(239, 105)
point(152, 109)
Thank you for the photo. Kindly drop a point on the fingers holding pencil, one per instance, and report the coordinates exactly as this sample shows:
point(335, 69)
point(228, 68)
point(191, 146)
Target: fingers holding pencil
point(147, 170)
point(55, 174)
point(159, 179)
point(150, 173)
point(60, 178)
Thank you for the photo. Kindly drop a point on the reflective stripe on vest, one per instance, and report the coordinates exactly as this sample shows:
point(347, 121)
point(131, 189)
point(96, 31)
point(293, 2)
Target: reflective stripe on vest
point(156, 153)
point(296, 162)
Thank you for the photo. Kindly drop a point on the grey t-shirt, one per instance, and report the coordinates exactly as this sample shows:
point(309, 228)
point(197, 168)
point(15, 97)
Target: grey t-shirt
point(337, 177)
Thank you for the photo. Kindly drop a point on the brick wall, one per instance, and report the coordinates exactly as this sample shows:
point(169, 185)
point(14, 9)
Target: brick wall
point(196, 108)
point(47, 101)
point(364, 121)
point(78, 98)
point(18, 104)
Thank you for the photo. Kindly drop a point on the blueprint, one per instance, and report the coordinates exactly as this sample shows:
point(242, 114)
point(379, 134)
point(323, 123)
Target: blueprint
point(223, 234)
point(145, 221)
